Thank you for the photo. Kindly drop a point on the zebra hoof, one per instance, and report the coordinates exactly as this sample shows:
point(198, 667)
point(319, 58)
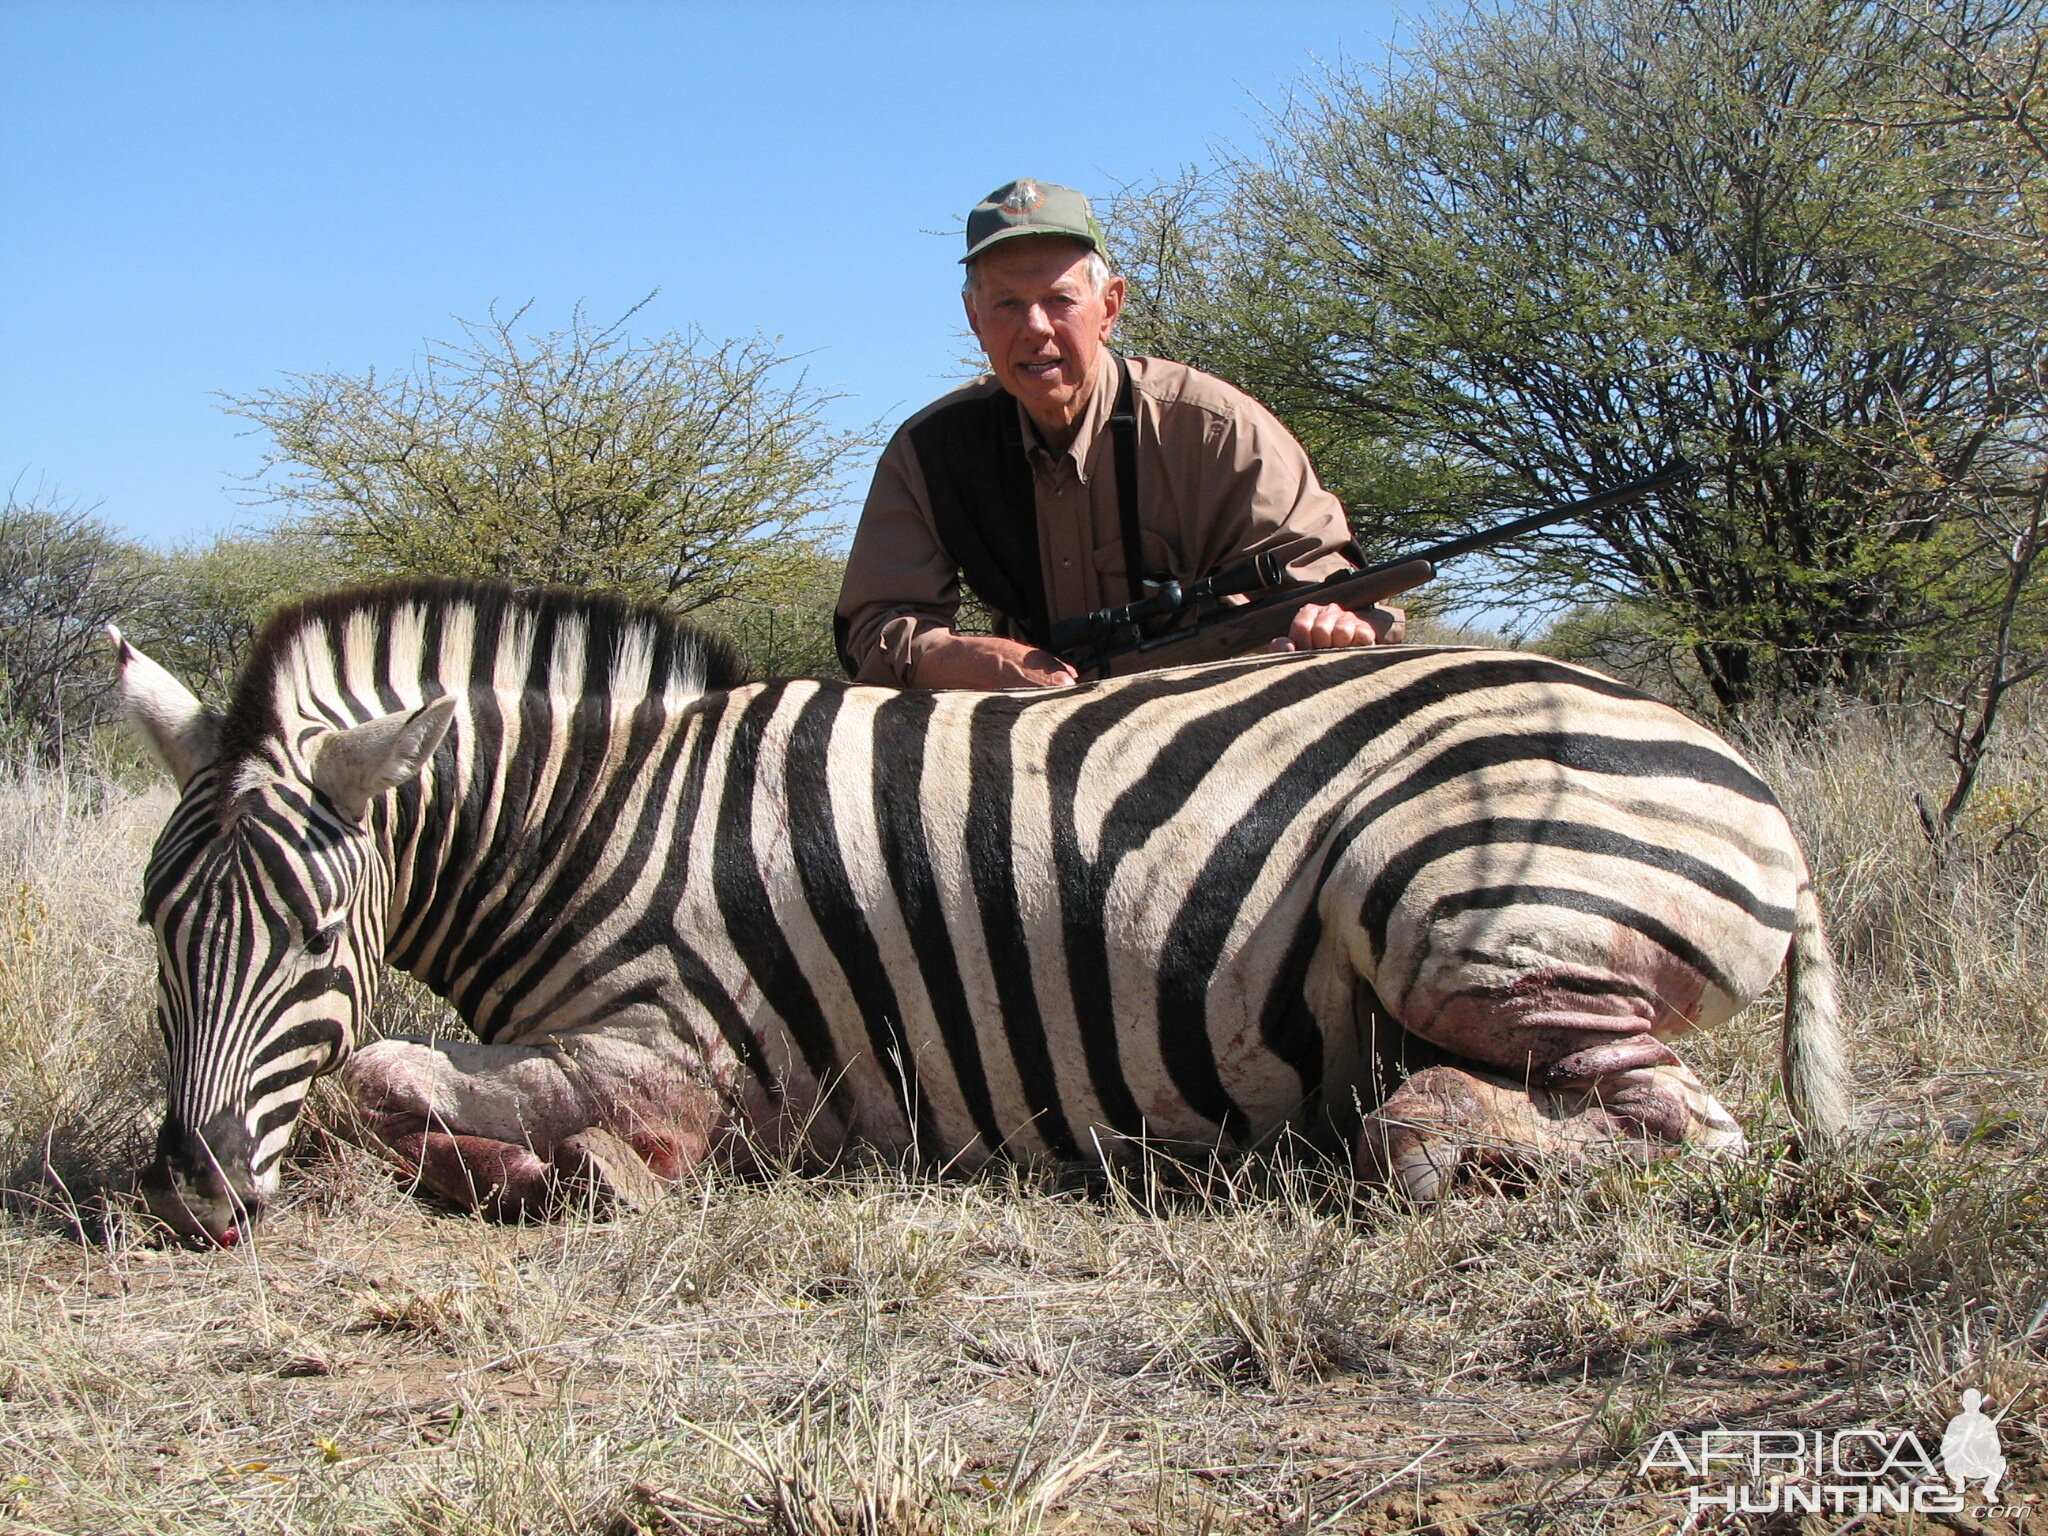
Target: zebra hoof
point(1445, 1120)
point(1425, 1132)
point(1425, 1170)
point(1661, 1110)
point(602, 1168)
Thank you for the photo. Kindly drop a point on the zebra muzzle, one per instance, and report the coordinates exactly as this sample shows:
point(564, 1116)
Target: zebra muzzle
point(190, 1188)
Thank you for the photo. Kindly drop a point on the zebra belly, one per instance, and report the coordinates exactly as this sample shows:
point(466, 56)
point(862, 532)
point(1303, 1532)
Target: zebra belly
point(969, 1085)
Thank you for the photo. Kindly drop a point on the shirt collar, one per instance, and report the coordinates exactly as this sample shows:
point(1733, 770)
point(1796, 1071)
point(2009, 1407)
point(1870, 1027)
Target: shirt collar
point(1094, 417)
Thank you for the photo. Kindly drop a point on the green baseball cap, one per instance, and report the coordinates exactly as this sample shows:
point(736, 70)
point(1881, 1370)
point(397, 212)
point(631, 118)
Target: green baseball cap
point(1029, 207)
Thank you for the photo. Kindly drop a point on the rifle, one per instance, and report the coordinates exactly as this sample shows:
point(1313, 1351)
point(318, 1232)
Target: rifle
point(1143, 628)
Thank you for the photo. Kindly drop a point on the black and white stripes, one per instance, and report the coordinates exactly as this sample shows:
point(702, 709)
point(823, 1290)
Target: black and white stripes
point(964, 924)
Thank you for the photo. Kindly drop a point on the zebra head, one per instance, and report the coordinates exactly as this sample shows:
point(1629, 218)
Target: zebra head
point(267, 891)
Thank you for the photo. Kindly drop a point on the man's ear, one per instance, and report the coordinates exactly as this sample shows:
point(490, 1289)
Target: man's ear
point(183, 734)
point(1113, 304)
point(355, 766)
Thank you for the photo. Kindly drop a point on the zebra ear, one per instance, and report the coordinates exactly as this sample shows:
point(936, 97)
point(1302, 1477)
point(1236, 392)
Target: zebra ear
point(355, 766)
point(183, 733)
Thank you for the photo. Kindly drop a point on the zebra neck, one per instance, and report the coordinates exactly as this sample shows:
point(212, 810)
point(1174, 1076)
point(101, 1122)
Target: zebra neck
point(506, 860)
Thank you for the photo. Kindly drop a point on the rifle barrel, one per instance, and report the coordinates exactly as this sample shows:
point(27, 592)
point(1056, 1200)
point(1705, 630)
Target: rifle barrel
point(1671, 474)
point(1216, 636)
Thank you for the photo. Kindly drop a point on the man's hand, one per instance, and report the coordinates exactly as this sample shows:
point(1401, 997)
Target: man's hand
point(1327, 627)
point(988, 663)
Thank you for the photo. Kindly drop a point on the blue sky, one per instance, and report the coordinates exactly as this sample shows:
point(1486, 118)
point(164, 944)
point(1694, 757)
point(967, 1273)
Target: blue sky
point(202, 198)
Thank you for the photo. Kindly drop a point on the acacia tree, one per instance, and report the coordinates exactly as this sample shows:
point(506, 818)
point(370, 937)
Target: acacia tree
point(677, 470)
point(64, 576)
point(1551, 247)
point(213, 599)
point(1987, 86)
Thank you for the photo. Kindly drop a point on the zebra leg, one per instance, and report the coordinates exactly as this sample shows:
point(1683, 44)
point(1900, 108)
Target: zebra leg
point(509, 1182)
point(514, 1130)
point(479, 1173)
point(1446, 1118)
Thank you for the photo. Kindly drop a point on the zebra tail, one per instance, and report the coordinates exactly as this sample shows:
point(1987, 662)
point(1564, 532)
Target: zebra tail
point(1813, 1059)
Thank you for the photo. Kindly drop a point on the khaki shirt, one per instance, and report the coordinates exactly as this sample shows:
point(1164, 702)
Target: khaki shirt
point(1219, 480)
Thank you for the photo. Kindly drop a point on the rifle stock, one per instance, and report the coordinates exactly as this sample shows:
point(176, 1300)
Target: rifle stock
point(1235, 631)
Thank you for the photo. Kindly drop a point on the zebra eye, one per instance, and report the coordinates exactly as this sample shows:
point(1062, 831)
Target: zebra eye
point(321, 940)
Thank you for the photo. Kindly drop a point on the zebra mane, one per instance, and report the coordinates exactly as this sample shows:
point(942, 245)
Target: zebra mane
point(628, 649)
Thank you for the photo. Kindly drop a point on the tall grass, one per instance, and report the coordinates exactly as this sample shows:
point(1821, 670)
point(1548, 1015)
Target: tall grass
point(880, 1352)
point(78, 1066)
point(1943, 959)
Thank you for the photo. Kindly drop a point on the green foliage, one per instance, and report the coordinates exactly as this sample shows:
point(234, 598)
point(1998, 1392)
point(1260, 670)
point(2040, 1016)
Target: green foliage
point(1558, 244)
point(783, 628)
point(1627, 640)
point(1984, 90)
point(675, 470)
point(65, 576)
point(214, 598)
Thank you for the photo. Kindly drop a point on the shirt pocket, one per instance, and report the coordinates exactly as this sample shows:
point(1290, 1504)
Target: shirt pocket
point(1109, 563)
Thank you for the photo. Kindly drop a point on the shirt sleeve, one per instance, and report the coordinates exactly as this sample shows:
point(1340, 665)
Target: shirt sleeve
point(1272, 501)
point(901, 590)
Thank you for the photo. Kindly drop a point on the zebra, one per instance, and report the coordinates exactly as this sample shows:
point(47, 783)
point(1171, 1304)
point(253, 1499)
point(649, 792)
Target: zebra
point(1424, 905)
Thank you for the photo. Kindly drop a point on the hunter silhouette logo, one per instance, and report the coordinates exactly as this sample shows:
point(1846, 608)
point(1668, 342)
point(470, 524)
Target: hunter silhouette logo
point(1969, 1447)
point(1865, 1470)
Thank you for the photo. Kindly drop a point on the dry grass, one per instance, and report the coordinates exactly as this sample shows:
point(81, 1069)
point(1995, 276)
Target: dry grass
point(882, 1353)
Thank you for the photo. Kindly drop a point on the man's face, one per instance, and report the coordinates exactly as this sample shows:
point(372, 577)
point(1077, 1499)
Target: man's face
point(1042, 324)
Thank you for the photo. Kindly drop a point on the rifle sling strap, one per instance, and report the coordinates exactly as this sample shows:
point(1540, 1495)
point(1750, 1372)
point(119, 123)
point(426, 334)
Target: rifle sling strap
point(1123, 427)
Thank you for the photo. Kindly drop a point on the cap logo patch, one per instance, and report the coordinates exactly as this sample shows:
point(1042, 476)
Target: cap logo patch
point(1025, 197)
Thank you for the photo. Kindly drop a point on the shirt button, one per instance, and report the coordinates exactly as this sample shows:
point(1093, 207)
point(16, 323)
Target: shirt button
point(1067, 563)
